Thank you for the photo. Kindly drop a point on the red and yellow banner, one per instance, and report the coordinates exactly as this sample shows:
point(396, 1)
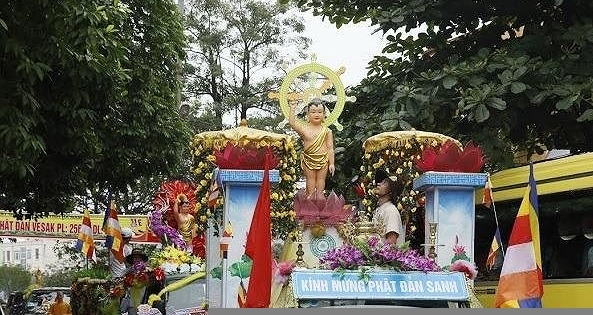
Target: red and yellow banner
point(67, 226)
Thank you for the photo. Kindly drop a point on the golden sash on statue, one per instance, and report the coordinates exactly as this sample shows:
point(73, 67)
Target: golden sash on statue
point(312, 158)
point(186, 229)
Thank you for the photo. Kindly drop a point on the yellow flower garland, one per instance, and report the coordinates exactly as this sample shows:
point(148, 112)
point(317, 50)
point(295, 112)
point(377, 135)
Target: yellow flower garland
point(282, 213)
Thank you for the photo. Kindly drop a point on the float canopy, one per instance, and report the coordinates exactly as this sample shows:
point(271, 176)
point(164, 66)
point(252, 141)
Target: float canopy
point(396, 139)
point(243, 135)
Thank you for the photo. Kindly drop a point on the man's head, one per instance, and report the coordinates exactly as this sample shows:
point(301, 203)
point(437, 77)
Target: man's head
point(316, 110)
point(387, 186)
point(59, 296)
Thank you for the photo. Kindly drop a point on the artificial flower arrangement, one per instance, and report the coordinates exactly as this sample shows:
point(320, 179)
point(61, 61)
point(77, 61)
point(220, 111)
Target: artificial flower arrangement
point(248, 157)
point(172, 260)
point(451, 157)
point(205, 148)
point(321, 212)
point(282, 271)
point(138, 276)
point(372, 252)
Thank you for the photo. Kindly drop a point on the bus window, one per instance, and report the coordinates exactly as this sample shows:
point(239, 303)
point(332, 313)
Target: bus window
point(566, 234)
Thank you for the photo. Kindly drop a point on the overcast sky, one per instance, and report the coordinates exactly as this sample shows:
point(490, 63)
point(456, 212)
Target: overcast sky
point(351, 46)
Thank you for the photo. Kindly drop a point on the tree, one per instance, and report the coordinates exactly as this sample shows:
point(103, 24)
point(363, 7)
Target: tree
point(89, 99)
point(14, 278)
point(236, 50)
point(511, 76)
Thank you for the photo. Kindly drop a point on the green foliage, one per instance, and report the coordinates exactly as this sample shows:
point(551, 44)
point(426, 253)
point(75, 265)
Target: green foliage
point(14, 278)
point(94, 273)
point(237, 50)
point(527, 90)
point(59, 278)
point(89, 99)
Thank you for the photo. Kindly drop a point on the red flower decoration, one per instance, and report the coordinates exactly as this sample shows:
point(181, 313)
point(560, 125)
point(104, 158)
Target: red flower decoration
point(116, 291)
point(359, 190)
point(244, 158)
point(159, 274)
point(451, 158)
point(167, 195)
point(128, 280)
point(199, 246)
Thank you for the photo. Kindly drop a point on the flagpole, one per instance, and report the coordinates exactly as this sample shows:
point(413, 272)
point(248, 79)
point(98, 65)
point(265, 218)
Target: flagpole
point(497, 226)
point(495, 215)
point(224, 278)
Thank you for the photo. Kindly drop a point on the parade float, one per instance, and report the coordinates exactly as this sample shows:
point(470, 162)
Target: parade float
point(331, 253)
point(434, 269)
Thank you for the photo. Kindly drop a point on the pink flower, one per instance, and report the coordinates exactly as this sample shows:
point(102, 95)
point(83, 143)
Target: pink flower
point(466, 267)
point(458, 249)
point(283, 271)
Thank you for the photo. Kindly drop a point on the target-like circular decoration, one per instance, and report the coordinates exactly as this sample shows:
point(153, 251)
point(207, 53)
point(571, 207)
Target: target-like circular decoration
point(320, 245)
point(314, 67)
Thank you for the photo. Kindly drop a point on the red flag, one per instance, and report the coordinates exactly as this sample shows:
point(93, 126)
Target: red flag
point(259, 248)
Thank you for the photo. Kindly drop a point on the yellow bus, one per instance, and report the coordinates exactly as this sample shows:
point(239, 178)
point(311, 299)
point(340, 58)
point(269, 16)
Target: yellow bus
point(565, 195)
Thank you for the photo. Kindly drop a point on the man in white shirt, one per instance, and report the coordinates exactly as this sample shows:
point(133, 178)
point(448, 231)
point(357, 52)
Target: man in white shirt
point(119, 268)
point(386, 216)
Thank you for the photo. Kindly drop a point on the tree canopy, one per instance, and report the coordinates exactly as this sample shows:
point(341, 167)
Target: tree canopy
point(236, 53)
point(90, 97)
point(13, 278)
point(512, 76)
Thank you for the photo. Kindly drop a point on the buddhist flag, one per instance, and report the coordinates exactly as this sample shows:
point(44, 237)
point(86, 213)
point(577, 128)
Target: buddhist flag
point(521, 283)
point(496, 252)
point(487, 195)
point(86, 243)
point(214, 190)
point(259, 247)
point(113, 239)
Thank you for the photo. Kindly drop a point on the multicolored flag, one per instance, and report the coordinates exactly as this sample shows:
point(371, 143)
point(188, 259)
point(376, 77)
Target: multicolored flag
point(214, 191)
point(259, 247)
point(86, 243)
point(521, 281)
point(496, 253)
point(113, 239)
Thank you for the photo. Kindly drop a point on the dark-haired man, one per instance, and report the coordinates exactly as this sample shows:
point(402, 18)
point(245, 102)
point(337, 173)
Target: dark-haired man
point(386, 216)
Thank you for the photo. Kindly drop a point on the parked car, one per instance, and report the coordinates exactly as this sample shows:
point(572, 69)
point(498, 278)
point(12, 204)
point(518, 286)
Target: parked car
point(39, 300)
point(15, 304)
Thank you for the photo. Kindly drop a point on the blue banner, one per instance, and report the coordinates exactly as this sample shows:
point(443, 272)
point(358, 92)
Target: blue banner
point(383, 285)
